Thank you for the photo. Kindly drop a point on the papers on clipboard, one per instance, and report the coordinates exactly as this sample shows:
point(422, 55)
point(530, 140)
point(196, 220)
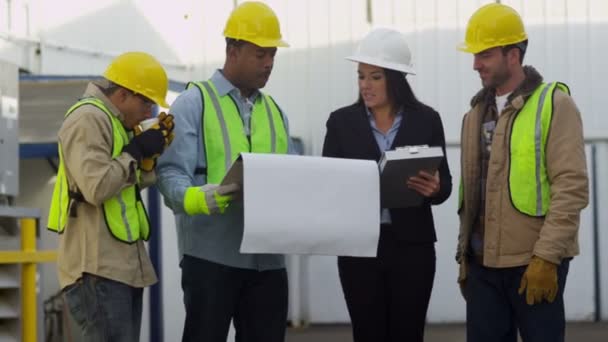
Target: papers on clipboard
point(396, 166)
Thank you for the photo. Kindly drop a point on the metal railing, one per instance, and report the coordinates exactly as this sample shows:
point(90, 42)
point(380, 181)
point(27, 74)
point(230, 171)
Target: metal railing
point(28, 257)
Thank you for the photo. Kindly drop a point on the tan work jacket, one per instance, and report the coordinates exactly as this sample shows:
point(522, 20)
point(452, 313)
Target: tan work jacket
point(86, 245)
point(511, 238)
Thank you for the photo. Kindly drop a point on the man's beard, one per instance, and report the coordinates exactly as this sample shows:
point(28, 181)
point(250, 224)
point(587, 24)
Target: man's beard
point(498, 79)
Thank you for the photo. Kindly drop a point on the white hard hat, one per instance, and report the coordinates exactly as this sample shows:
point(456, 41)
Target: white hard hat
point(385, 48)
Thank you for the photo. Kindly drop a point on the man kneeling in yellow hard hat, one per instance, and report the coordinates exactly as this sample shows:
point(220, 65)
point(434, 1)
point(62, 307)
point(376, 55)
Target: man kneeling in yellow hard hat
point(215, 121)
point(96, 206)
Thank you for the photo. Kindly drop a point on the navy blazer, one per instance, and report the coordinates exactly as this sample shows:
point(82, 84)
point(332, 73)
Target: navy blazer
point(349, 135)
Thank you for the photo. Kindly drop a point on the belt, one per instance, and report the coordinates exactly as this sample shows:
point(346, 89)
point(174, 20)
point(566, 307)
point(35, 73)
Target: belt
point(75, 197)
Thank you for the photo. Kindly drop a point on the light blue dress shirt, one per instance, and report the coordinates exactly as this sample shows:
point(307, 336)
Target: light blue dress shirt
point(216, 238)
point(385, 141)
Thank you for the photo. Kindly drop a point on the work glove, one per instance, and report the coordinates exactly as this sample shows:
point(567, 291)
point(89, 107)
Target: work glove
point(209, 199)
point(148, 164)
point(165, 125)
point(540, 279)
point(165, 122)
point(148, 144)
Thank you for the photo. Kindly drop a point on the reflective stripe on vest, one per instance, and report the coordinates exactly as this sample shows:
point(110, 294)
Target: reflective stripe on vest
point(528, 180)
point(221, 116)
point(125, 214)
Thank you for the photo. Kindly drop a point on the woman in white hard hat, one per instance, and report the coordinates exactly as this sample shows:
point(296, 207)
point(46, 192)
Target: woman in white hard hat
point(388, 296)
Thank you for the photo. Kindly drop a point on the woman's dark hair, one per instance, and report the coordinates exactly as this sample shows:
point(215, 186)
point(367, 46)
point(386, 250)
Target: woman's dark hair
point(398, 91)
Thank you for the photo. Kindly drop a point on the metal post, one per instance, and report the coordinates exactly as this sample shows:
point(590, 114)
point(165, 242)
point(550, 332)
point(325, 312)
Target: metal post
point(28, 281)
point(155, 248)
point(596, 235)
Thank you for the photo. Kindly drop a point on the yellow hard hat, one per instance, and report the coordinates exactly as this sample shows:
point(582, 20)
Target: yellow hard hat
point(141, 73)
point(256, 23)
point(493, 25)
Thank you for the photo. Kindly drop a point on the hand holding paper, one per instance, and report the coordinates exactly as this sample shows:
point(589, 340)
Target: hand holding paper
point(208, 199)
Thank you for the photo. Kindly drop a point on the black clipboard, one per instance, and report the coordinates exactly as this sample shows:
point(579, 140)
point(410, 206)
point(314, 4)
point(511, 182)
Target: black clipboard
point(397, 165)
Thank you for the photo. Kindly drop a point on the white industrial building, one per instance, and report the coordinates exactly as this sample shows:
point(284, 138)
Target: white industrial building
point(61, 42)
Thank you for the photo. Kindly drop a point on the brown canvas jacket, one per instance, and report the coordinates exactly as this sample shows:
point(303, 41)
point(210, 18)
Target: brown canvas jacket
point(86, 245)
point(511, 237)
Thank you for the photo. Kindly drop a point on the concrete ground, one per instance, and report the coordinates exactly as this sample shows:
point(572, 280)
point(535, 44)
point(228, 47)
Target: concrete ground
point(583, 332)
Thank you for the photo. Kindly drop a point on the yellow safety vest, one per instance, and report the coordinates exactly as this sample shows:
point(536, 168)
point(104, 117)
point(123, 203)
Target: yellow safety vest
point(224, 134)
point(125, 214)
point(529, 186)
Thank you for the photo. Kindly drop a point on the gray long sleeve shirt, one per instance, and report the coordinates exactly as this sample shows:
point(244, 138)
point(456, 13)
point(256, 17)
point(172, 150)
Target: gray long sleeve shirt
point(215, 238)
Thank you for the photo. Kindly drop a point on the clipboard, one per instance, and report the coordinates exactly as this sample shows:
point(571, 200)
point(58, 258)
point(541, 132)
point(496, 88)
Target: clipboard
point(235, 173)
point(397, 165)
point(235, 176)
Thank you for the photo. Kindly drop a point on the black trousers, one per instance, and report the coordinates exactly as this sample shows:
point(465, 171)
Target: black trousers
point(214, 294)
point(496, 311)
point(388, 296)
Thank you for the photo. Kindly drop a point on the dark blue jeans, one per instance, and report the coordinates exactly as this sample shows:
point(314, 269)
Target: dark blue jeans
point(105, 310)
point(214, 294)
point(496, 311)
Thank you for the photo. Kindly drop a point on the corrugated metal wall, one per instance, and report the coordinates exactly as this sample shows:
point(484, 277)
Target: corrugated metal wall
point(311, 78)
point(567, 43)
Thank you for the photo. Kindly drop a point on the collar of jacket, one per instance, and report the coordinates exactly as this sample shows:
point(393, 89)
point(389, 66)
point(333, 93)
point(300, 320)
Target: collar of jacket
point(487, 96)
point(94, 90)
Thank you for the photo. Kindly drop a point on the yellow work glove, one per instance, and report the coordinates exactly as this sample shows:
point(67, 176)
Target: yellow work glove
point(208, 199)
point(165, 124)
point(148, 164)
point(540, 279)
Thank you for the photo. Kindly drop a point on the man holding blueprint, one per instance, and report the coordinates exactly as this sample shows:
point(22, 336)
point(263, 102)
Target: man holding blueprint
point(218, 119)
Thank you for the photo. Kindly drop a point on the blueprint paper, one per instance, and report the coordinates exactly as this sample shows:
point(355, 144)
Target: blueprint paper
point(310, 205)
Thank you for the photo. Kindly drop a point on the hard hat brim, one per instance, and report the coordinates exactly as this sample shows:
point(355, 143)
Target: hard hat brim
point(159, 101)
point(163, 103)
point(464, 47)
point(476, 48)
point(268, 42)
point(383, 64)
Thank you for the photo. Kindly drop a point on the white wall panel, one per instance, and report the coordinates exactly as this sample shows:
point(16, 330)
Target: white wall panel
point(447, 304)
point(596, 33)
point(174, 314)
point(14, 19)
point(383, 12)
point(316, 96)
point(567, 43)
point(579, 295)
point(602, 233)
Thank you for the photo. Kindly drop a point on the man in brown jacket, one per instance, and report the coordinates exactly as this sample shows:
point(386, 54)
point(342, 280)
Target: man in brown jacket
point(96, 207)
point(524, 183)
